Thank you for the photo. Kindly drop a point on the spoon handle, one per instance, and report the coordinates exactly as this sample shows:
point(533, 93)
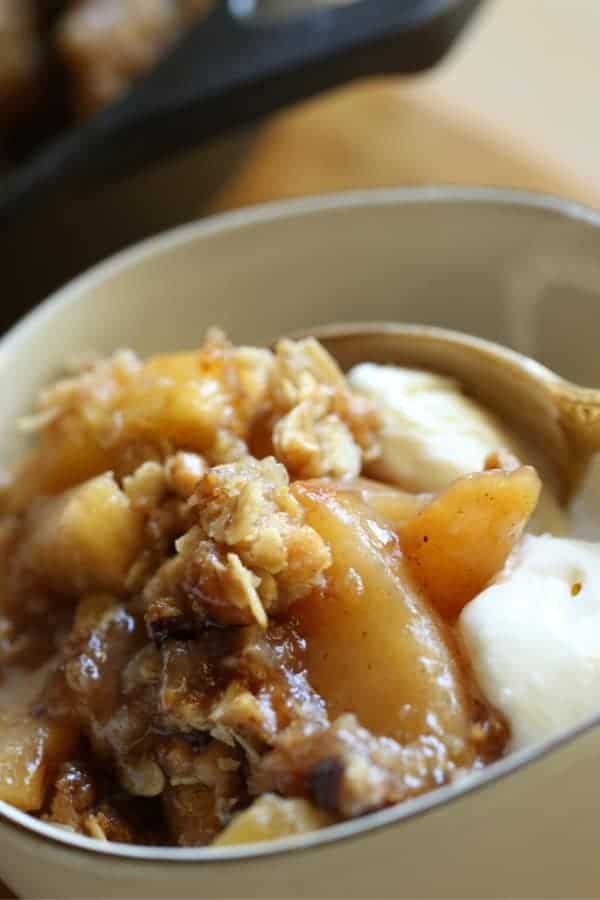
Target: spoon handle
point(579, 410)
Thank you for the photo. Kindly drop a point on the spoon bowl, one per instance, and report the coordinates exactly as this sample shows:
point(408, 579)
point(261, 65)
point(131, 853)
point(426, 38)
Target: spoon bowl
point(560, 419)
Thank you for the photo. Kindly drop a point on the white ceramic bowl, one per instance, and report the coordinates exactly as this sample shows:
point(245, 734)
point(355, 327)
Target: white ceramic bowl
point(519, 269)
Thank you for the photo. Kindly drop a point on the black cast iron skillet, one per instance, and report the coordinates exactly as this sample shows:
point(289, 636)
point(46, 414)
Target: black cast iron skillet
point(64, 208)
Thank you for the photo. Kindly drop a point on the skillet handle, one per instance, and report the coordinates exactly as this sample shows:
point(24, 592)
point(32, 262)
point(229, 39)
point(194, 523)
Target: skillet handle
point(231, 70)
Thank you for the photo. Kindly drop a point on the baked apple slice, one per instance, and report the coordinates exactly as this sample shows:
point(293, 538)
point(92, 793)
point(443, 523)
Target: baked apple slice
point(374, 645)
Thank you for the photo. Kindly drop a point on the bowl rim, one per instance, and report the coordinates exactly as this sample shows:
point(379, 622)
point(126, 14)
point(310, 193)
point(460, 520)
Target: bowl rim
point(250, 216)
point(232, 221)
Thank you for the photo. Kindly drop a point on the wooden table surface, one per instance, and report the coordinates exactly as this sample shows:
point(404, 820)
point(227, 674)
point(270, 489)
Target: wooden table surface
point(514, 105)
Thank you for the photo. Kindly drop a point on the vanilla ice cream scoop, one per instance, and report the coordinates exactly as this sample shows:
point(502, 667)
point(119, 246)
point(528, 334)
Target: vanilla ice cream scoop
point(433, 434)
point(533, 637)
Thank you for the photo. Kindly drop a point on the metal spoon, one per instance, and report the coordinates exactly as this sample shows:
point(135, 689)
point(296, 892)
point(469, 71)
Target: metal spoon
point(558, 417)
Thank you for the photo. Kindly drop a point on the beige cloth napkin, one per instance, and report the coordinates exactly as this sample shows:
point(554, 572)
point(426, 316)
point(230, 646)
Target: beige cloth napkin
point(381, 133)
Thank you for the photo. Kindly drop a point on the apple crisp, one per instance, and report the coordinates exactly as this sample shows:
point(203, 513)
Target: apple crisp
point(213, 626)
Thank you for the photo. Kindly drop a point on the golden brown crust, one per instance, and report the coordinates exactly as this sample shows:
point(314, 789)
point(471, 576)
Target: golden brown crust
point(107, 44)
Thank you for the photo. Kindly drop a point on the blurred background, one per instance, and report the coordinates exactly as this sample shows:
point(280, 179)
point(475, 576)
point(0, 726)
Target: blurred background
point(498, 92)
point(512, 104)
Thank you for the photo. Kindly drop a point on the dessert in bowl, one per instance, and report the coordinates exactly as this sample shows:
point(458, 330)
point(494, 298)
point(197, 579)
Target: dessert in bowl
point(260, 596)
